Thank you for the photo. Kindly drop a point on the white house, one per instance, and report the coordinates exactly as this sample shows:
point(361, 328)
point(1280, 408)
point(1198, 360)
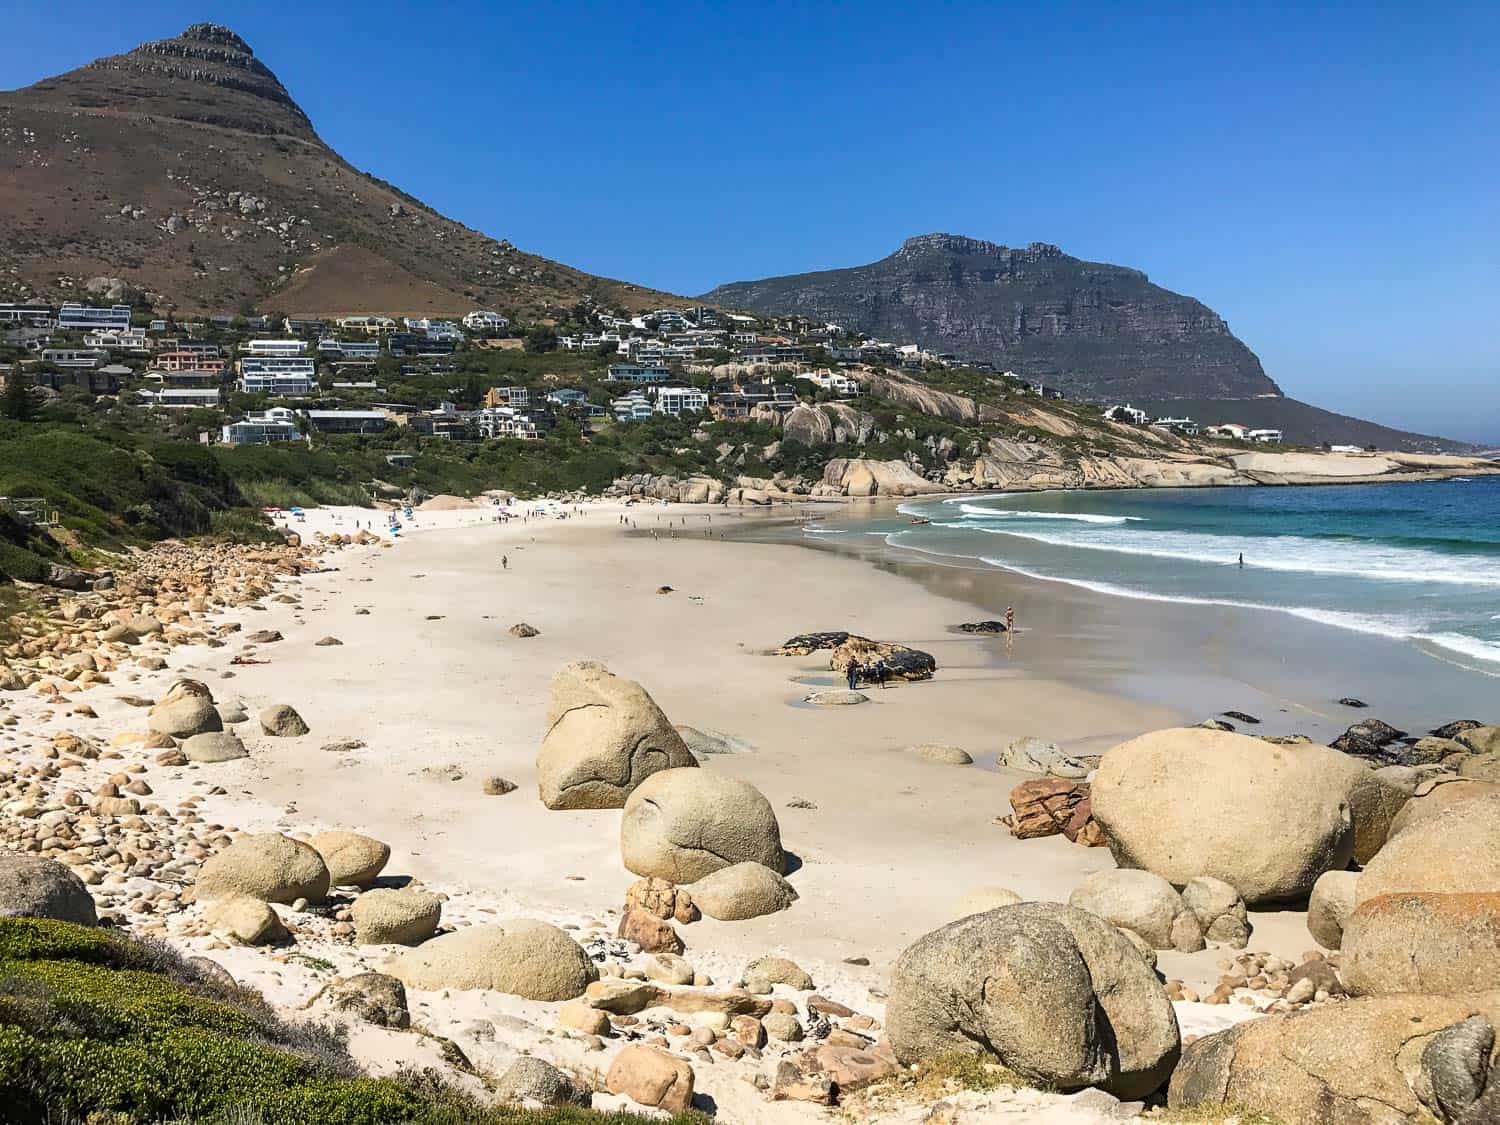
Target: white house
point(634, 407)
point(118, 339)
point(1127, 413)
point(182, 398)
point(283, 348)
point(276, 424)
point(503, 422)
point(835, 381)
point(278, 376)
point(1269, 437)
point(483, 321)
point(1178, 425)
point(1228, 430)
point(369, 325)
point(74, 357)
point(676, 400)
point(85, 317)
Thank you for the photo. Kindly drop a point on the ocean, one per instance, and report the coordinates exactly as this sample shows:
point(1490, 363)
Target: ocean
point(1418, 562)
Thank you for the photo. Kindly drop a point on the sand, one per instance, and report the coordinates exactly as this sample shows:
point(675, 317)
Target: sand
point(442, 696)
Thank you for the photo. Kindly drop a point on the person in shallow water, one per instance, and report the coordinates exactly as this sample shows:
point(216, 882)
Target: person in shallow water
point(1242, 560)
point(1010, 619)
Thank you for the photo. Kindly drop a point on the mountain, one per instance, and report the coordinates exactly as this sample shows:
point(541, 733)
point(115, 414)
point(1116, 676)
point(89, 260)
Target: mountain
point(1097, 331)
point(186, 169)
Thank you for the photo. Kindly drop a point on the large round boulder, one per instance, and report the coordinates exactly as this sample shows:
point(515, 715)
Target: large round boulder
point(1054, 993)
point(395, 917)
point(1354, 1063)
point(741, 891)
point(1454, 851)
point(353, 860)
point(214, 746)
point(1142, 902)
point(185, 710)
point(1445, 943)
point(1191, 801)
point(682, 825)
point(524, 958)
point(605, 735)
point(32, 887)
point(267, 866)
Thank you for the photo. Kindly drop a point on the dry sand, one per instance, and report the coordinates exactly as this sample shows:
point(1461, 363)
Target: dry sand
point(429, 679)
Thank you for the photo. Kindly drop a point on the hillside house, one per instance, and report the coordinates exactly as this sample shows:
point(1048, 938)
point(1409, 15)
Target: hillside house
point(368, 325)
point(279, 377)
point(346, 421)
point(632, 407)
point(27, 316)
point(276, 424)
point(1266, 436)
point(179, 360)
point(636, 374)
point(182, 398)
point(86, 318)
point(482, 321)
point(282, 348)
point(1128, 414)
point(679, 400)
point(74, 357)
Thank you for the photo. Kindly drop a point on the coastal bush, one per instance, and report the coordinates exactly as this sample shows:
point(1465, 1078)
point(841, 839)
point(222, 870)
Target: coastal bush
point(100, 1027)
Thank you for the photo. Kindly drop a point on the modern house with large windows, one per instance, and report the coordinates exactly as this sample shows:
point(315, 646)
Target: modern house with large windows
point(86, 318)
point(276, 424)
point(279, 377)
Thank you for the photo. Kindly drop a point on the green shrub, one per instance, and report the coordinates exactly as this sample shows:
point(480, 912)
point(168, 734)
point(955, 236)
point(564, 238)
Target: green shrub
point(107, 1029)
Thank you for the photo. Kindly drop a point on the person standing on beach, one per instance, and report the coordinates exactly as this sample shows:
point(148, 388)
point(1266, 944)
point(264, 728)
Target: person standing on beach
point(1010, 619)
point(504, 562)
point(853, 675)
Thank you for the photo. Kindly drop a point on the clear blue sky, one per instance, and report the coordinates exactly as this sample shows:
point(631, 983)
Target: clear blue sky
point(1326, 176)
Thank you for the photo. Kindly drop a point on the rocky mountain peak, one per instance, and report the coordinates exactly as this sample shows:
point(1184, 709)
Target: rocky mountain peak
point(168, 77)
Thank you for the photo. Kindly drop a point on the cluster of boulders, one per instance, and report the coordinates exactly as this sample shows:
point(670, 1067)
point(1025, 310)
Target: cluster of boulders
point(1391, 844)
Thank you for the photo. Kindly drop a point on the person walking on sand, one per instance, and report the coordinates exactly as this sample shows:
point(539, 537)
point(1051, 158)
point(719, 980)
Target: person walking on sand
point(504, 562)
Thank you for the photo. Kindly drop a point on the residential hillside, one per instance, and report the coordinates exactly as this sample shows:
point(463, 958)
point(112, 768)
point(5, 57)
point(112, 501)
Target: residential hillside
point(187, 171)
point(1097, 331)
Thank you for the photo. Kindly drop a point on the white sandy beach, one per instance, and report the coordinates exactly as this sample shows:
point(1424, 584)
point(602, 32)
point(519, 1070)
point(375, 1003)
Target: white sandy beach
point(428, 677)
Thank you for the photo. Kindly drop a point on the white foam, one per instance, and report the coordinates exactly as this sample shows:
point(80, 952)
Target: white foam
point(1281, 553)
point(1024, 514)
point(1394, 628)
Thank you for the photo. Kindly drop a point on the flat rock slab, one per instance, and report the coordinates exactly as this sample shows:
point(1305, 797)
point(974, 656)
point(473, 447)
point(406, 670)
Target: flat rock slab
point(842, 698)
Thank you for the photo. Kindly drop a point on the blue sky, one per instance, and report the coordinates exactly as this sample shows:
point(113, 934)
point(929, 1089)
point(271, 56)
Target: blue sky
point(1325, 176)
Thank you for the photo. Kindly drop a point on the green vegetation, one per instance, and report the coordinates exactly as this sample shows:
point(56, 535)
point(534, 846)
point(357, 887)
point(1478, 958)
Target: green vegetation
point(96, 1026)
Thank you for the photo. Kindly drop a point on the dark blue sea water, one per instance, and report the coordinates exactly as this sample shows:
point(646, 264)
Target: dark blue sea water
point(1418, 562)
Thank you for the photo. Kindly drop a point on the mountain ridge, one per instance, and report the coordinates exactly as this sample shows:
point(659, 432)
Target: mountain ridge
point(1094, 329)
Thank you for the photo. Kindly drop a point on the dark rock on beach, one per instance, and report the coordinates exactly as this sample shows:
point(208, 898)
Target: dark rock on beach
point(1456, 728)
point(805, 643)
point(1350, 701)
point(981, 627)
point(1240, 717)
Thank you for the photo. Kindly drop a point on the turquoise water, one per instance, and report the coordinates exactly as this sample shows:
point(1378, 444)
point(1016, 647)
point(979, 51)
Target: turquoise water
point(1419, 562)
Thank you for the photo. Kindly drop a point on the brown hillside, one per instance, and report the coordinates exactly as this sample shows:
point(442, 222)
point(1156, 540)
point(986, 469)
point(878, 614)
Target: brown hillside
point(185, 168)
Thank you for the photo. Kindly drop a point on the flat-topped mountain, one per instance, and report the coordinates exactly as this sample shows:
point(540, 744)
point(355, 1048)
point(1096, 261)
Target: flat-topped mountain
point(1095, 330)
point(186, 168)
